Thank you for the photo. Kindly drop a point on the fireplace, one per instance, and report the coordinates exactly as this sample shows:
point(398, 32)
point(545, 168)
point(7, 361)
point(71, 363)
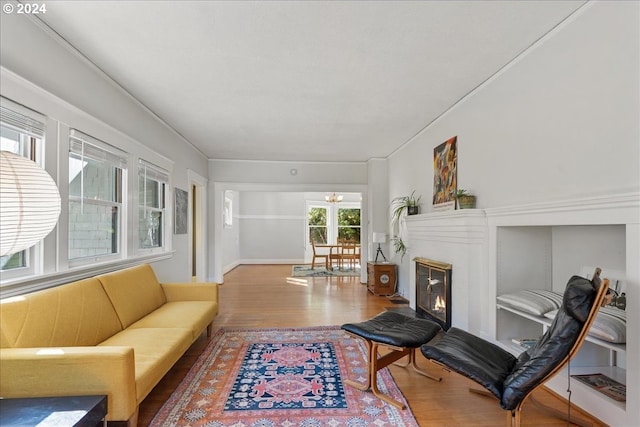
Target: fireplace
point(433, 291)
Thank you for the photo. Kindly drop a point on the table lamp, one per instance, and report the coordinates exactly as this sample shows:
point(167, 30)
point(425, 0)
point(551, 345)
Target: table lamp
point(379, 238)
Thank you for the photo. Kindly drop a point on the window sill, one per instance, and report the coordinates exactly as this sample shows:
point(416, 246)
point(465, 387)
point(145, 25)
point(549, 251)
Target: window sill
point(29, 284)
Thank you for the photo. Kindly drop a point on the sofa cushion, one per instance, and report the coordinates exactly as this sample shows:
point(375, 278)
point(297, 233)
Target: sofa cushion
point(610, 324)
point(156, 350)
point(75, 314)
point(532, 301)
point(134, 292)
point(195, 315)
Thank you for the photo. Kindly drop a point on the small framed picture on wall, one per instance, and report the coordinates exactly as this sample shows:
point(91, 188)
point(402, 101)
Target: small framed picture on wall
point(181, 219)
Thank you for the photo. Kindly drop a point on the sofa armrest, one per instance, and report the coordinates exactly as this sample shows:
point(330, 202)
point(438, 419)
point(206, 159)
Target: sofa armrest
point(190, 291)
point(72, 371)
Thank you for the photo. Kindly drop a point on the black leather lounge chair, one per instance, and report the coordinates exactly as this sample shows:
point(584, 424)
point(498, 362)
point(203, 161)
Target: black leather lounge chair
point(512, 379)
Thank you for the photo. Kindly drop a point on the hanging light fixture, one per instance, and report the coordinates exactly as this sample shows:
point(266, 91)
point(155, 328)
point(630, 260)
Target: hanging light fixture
point(333, 198)
point(29, 203)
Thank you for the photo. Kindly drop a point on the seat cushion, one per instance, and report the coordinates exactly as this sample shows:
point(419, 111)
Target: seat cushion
point(610, 324)
point(193, 315)
point(155, 351)
point(395, 329)
point(469, 355)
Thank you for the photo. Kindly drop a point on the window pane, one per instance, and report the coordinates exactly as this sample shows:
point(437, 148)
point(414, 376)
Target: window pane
point(318, 235)
point(151, 192)
point(349, 233)
point(348, 217)
point(99, 179)
point(10, 140)
point(93, 229)
point(317, 216)
point(9, 262)
point(349, 224)
point(17, 143)
point(150, 228)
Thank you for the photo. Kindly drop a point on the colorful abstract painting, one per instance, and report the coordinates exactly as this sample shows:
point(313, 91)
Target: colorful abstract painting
point(445, 168)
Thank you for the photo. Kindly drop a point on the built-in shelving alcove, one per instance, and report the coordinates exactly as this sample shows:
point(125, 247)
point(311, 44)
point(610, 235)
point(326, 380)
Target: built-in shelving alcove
point(540, 247)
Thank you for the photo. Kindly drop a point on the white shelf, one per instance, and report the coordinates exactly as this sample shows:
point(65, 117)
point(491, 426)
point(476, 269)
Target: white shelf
point(546, 322)
point(588, 399)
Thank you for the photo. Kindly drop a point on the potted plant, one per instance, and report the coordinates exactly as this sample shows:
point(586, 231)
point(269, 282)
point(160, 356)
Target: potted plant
point(410, 203)
point(399, 246)
point(465, 200)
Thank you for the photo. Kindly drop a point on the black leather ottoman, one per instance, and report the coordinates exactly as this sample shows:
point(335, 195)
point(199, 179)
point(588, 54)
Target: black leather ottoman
point(401, 334)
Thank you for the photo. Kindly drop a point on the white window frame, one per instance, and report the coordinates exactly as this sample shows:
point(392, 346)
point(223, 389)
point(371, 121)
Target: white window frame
point(29, 124)
point(87, 146)
point(149, 170)
point(334, 213)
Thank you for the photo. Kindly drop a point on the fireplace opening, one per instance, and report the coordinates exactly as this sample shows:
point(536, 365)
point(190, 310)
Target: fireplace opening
point(433, 291)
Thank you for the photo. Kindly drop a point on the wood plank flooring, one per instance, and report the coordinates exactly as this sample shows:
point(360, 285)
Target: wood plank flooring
point(263, 296)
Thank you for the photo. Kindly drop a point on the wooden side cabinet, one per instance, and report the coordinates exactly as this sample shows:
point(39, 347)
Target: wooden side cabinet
point(381, 278)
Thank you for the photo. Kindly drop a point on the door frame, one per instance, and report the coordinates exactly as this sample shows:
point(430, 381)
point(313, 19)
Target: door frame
point(197, 228)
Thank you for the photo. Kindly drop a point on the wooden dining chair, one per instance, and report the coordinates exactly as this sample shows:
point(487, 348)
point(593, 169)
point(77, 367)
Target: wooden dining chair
point(320, 256)
point(349, 254)
point(335, 254)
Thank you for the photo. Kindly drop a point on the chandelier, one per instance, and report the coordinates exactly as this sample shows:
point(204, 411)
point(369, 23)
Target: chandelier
point(333, 198)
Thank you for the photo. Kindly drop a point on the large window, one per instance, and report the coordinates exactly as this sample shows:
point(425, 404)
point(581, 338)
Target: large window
point(21, 133)
point(114, 206)
point(349, 224)
point(152, 187)
point(317, 219)
point(96, 175)
point(332, 222)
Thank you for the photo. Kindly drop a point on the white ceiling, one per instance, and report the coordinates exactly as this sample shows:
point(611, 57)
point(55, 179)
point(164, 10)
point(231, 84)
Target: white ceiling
point(301, 80)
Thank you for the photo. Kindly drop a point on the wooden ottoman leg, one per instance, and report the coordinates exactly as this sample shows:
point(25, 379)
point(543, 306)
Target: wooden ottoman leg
point(357, 385)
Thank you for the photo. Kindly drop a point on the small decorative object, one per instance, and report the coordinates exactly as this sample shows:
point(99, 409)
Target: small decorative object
point(182, 211)
point(379, 238)
point(465, 200)
point(621, 301)
point(410, 203)
point(445, 160)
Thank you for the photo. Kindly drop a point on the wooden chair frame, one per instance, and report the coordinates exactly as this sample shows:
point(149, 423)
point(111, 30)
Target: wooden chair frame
point(376, 361)
point(316, 255)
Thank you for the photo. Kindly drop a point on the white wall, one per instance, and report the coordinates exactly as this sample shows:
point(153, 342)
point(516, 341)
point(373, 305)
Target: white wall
point(561, 121)
point(32, 52)
point(272, 227)
point(378, 218)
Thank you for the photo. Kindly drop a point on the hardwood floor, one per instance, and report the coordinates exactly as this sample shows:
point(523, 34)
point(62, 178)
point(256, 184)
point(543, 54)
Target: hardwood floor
point(263, 296)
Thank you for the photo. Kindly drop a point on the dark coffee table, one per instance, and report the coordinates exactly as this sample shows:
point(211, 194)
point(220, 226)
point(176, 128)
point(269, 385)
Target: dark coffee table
point(67, 411)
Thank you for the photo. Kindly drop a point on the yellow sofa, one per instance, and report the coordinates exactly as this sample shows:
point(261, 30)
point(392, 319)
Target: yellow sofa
point(115, 334)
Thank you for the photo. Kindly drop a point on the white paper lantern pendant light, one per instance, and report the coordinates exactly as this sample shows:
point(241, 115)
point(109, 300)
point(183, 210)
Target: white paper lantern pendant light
point(29, 203)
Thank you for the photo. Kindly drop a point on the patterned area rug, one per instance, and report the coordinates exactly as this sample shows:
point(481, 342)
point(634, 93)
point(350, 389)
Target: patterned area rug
point(306, 271)
point(281, 377)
